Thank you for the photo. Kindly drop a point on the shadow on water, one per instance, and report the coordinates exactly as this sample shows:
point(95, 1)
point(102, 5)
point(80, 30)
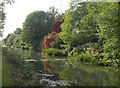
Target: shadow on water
point(56, 72)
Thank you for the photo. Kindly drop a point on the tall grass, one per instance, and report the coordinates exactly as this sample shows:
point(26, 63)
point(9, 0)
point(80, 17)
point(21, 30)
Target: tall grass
point(0, 66)
point(17, 72)
point(10, 59)
point(6, 73)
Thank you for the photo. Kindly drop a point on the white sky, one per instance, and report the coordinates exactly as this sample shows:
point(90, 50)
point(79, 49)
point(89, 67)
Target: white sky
point(17, 12)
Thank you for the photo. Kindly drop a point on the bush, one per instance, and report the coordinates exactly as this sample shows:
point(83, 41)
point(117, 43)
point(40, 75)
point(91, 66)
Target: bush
point(57, 43)
point(89, 55)
point(55, 52)
point(25, 74)
point(13, 55)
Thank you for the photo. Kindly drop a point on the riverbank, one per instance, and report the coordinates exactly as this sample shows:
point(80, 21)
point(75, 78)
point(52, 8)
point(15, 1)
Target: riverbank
point(29, 68)
point(17, 72)
point(6, 73)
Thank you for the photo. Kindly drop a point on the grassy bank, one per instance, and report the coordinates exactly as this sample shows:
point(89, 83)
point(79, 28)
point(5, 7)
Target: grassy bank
point(16, 72)
point(6, 73)
point(0, 69)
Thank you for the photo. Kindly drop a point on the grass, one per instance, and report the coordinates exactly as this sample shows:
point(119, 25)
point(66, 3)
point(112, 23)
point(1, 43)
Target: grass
point(12, 59)
point(0, 70)
point(6, 73)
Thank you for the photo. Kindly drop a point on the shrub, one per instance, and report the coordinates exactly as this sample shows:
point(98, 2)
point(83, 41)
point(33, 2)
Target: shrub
point(53, 51)
point(89, 55)
point(14, 55)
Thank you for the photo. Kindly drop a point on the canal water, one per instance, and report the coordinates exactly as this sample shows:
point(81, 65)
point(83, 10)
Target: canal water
point(54, 71)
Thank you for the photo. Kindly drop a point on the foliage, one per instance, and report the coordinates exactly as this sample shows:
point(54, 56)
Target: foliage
point(10, 40)
point(28, 74)
point(90, 32)
point(3, 14)
point(54, 52)
point(13, 40)
point(83, 74)
point(77, 28)
point(91, 22)
point(14, 55)
point(25, 74)
point(2, 17)
point(12, 59)
point(6, 73)
point(57, 42)
point(109, 31)
point(36, 26)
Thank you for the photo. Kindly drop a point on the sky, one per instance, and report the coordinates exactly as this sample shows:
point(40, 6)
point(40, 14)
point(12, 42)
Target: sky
point(17, 12)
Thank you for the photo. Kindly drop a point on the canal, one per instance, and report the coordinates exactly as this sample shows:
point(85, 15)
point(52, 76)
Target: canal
point(63, 71)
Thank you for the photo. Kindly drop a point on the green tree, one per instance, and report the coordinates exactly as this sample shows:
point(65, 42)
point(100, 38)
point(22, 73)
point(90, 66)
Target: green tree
point(10, 40)
point(18, 31)
point(36, 26)
point(108, 21)
point(13, 39)
point(93, 24)
point(53, 11)
point(78, 28)
point(2, 17)
point(2, 14)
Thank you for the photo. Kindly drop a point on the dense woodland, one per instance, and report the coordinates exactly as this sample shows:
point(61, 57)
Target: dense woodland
point(90, 33)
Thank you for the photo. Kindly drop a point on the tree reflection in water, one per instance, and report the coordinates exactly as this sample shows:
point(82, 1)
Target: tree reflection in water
point(48, 67)
point(89, 75)
point(66, 71)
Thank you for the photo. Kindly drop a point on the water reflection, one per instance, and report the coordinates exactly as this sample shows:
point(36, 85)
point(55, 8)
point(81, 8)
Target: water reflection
point(50, 76)
point(76, 73)
point(63, 72)
point(48, 67)
point(88, 75)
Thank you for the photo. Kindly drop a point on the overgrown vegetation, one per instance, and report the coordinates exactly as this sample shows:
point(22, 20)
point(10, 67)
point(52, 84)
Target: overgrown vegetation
point(6, 73)
point(54, 52)
point(37, 24)
point(17, 72)
point(90, 32)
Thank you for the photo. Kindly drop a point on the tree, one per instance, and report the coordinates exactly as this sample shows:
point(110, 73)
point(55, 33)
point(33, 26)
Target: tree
point(108, 22)
point(2, 18)
point(2, 14)
point(36, 26)
point(53, 11)
point(9, 1)
point(18, 31)
point(9, 41)
point(78, 27)
point(93, 24)
point(13, 40)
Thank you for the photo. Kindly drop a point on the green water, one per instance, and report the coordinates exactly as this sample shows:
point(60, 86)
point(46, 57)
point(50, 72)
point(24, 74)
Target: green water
point(66, 72)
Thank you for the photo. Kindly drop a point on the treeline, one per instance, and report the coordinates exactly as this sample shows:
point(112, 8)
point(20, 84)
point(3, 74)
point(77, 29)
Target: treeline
point(37, 24)
point(90, 32)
